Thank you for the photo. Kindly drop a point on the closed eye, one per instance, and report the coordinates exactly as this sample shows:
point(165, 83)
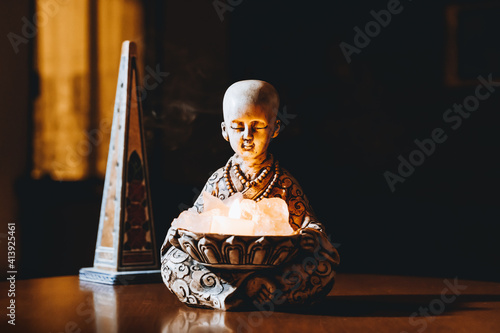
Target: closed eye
point(259, 125)
point(238, 126)
point(254, 125)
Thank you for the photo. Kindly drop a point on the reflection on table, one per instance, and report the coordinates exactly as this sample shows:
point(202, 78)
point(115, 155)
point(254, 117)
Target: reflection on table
point(358, 303)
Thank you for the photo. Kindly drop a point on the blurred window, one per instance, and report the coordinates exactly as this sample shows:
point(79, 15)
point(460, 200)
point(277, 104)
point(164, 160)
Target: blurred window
point(77, 59)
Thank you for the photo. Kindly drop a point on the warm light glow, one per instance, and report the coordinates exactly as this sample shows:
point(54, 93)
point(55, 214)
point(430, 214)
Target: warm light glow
point(237, 216)
point(118, 20)
point(65, 136)
point(62, 109)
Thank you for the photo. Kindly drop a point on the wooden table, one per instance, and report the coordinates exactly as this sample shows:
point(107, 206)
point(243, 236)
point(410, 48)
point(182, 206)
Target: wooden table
point(358, 303)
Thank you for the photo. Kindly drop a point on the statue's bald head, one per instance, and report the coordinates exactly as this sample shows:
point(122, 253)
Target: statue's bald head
point(254, 93)
point(250, 111)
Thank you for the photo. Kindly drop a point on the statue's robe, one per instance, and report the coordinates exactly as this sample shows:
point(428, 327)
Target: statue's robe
point(307, 277)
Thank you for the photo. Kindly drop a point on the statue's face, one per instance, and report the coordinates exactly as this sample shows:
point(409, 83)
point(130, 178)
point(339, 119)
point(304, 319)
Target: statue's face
point(249, 129)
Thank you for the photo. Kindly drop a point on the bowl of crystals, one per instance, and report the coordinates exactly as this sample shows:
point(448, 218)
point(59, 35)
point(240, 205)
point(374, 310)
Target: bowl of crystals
point(236, 233)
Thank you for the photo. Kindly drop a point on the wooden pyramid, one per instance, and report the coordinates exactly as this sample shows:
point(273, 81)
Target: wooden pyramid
point(125, 250)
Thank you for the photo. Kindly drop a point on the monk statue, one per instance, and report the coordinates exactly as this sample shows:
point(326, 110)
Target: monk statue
point(250, 111)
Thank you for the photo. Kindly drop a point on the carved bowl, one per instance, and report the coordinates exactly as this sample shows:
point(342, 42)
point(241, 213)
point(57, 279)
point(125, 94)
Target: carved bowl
point(236, 252)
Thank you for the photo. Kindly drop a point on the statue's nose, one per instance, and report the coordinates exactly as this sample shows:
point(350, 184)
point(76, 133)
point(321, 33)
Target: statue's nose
point(248, 133)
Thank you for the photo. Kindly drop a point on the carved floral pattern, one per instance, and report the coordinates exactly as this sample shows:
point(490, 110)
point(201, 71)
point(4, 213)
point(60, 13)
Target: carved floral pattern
point(136, 191)
point(136, 223)
point(193, 283)
point(217, 250)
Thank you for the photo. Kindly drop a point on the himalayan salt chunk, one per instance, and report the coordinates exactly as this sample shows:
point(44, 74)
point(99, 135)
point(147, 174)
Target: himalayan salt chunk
point(275, 208)
point(231, 226)
point(250, 210)
point(192, 221)
point(235, 197)
point(273, 217)
point(237, 216)
point(235, 210)
point(215, 212)
point(213, 203)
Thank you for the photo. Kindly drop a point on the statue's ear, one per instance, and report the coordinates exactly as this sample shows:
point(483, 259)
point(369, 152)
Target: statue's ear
point(277, 127)
point(224, 132)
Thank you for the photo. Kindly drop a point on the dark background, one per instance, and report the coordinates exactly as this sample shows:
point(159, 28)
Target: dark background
point(350, 123)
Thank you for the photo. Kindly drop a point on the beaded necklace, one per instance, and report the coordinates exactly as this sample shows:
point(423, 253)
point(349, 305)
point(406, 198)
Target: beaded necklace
point(247, 183)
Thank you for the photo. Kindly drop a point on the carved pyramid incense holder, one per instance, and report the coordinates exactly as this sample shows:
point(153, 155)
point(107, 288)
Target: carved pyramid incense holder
point(125, 251)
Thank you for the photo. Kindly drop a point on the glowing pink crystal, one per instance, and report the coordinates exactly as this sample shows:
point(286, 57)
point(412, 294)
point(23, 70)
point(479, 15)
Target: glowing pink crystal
point(237, 216)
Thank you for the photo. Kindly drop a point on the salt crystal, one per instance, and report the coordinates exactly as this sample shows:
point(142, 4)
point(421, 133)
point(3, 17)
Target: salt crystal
point(192, 221)
point(238, 196)
point(215, 212)
point(231, 226)
point(238, 216)
point(235, 210)
point(210, 202)
point(250, 210)
point(276, 209)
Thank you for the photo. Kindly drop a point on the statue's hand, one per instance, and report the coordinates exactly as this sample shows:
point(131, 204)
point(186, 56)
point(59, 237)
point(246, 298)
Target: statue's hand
point(261, 289)
point(309, 234)
point(308, 240)
point(314, 240)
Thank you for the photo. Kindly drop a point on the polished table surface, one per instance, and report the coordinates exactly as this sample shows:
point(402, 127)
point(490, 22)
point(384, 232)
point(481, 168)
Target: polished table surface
point(358, 303)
